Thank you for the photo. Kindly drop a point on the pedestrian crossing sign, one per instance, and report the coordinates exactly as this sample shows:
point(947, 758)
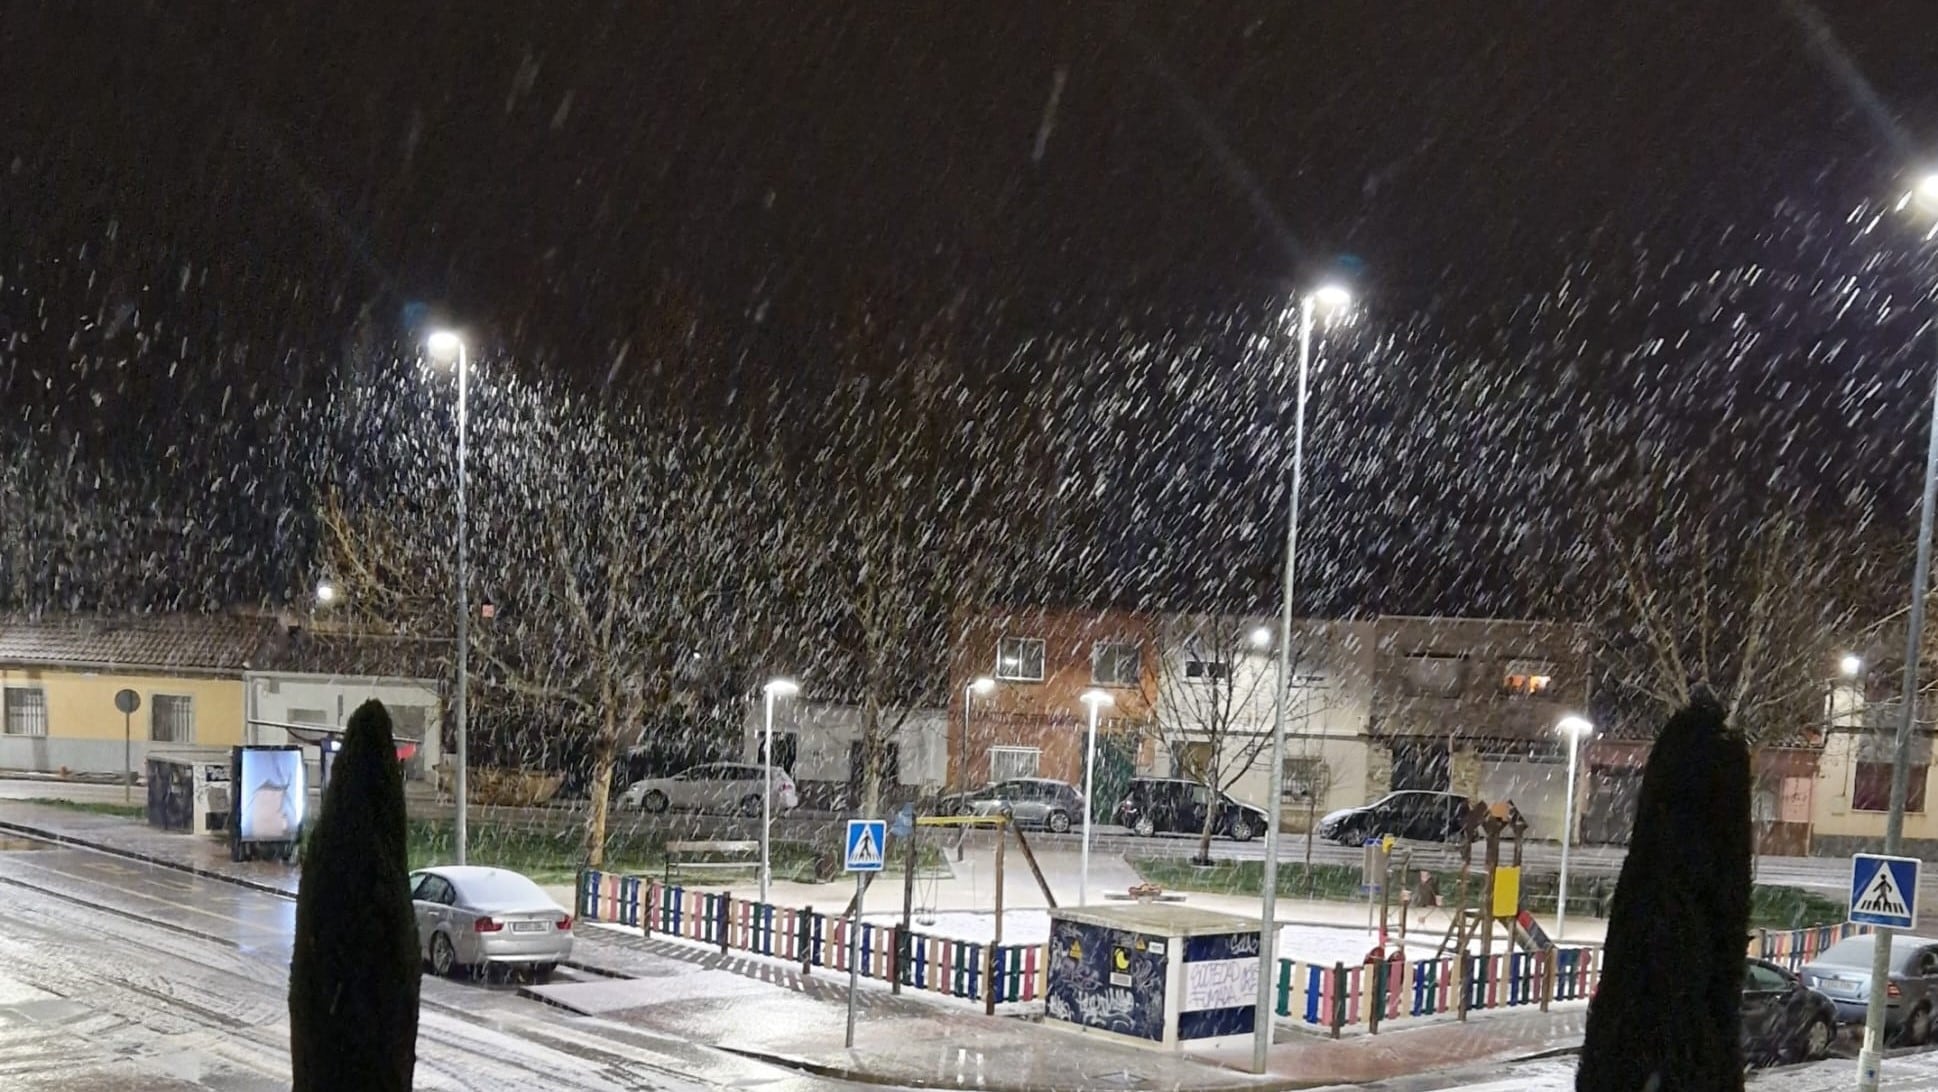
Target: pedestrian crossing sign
point(866, 838)
point(1884, 891)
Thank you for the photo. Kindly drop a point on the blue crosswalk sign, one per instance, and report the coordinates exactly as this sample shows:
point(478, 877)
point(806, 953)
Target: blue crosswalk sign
point(1884, 891)
point(866, 841)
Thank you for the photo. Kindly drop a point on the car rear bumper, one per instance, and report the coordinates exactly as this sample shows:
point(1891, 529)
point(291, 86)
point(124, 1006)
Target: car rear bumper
point(510, 947)
point(1853, 1011)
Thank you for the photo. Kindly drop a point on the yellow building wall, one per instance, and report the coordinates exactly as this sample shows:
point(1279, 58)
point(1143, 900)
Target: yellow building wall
point(1837, 828)
point(80, 705)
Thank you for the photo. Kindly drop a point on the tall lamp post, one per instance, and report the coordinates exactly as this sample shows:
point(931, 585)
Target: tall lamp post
point(1095, 699)
point(775, 688)
point(982, 685)
point(1870, 1056)
point(447, 346)
point(1329, 298)
point(1575, 728)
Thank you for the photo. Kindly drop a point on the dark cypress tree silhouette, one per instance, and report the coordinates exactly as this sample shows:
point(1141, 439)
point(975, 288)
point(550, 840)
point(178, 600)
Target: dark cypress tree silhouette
point(1668, 1014)
point(354, 976)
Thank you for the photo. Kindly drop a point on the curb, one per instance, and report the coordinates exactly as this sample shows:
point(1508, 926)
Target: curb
point(839, 1072)
point(116, 851)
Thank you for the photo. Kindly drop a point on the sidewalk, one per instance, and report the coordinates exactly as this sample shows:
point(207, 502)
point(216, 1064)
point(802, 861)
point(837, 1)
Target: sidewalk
point(768, 1009)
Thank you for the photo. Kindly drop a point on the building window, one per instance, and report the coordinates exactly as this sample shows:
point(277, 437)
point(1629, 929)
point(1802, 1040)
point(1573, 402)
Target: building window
point(171, 719)
point(1020, 659)
point(1872, 789)
point(1009, 763)
point(1528, 678)
point(1305, 781)
point(1208, 670)
point(26, 710)
point(1434, 676)
point(1117, 663)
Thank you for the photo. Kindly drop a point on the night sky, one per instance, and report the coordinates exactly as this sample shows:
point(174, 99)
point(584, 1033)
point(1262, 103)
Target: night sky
point(1530, 194)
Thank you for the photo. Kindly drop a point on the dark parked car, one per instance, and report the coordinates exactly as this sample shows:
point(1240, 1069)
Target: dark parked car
point(1034, 801)
point(1783, 1019)
point(1843, 972)
point(1419, 815)
point(1174, 805)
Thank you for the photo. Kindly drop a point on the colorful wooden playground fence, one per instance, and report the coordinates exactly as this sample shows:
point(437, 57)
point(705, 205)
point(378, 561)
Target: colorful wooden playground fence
point(1334, 995)
point(1796, 947)
point(955, 968)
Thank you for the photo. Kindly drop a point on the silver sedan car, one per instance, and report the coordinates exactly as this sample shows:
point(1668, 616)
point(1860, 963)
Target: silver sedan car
point(471, 918)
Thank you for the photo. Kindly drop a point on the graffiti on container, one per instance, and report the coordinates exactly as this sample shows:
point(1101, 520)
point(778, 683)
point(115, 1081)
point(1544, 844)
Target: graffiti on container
point(1105, 978)
point(1220, 984)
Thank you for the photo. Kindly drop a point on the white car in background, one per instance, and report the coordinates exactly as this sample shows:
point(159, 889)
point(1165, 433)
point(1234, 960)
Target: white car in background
point(715, 786)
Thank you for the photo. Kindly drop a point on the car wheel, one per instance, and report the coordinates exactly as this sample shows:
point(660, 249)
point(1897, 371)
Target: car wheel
point(444, 957)
point(750, 806)
point(1144, 827)
point(653, 802)
point(1243, 829)
point(542, 972)
point(1348, 836)
point(1814, 1044)
point(1058, 822)
point(1917, 1029)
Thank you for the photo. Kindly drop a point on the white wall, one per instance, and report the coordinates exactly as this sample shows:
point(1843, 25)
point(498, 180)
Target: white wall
point(826, 730)
point(293, 698)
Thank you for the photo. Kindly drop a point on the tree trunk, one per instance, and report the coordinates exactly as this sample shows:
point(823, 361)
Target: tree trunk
point(871, 755)
point(1211, 818)
point(605, 752)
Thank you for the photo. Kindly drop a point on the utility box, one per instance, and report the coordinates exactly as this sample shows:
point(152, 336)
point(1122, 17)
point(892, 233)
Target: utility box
point(1153, 974)
point(188, 789)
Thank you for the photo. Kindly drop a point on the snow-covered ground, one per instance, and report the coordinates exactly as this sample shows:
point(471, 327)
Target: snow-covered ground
point(1305, 943)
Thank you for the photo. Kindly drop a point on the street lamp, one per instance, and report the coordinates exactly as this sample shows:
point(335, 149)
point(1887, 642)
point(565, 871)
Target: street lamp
point(982, 685)
point(1095, 699)
point(1262, 637)
point(447, 346)
point(1329, 298)
point(1852, 665)
point(325, 593)
point(775, 688)
point(1870, 1056)
point(1574, 728)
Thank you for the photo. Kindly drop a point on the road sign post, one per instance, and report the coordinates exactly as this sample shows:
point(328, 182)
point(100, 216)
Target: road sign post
point(127, 701)
point(865, 855)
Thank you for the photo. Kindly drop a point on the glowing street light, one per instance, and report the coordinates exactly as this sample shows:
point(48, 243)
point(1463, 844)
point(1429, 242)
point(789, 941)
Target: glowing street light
point(775, 688)
point(1327, 298)
point(982, 685)
point(1852, 665)
point(325, 593)
point(448, 347)
point(1262, 637)
point(1575, 728)
point(1095, 699)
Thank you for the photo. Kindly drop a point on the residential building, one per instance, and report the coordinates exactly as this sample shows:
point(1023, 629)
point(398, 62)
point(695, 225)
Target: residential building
point(819, 743)
point(1470, 705)
point(1032, 722)
point(59, 677)
point(1852, 787)
point(319, 678)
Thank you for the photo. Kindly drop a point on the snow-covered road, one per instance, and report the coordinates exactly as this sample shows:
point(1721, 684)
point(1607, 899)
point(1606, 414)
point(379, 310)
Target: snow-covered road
point(115, 974)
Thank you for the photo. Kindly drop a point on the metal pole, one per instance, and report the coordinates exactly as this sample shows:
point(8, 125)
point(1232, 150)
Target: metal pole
point(127, 758)
point(1567, 837)
point(464, 612)
point(1871, 1056)
point(1275, 774)
point(854, 951)
point(962, 765)
point(767, 798)
point(1089, 778)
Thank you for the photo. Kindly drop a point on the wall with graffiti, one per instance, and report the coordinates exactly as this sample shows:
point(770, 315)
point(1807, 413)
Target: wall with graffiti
point(1107, 979)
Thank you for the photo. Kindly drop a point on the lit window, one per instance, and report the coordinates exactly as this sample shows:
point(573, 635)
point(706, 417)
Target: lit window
point(1528, 678)
point(1020, 659)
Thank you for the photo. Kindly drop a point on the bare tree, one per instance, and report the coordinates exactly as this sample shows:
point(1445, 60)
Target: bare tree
point(1214, 704)
point(613, 547)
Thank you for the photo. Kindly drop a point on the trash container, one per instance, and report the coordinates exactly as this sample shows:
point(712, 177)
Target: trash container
point(1153, 974)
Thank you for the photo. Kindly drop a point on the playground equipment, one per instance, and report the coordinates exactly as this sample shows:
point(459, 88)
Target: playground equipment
point(911, 842)
point(1500, 893)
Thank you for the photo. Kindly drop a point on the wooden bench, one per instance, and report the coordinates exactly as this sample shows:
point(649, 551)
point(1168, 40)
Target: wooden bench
point(741, 855)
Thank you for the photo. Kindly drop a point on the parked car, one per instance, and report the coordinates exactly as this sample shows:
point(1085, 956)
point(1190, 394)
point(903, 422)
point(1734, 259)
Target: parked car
point(1783, 1019)
point(1843, 973)
point(1416, 814)
point(471, 918)
point(1034, 801)
point(714, 786)
point(1175, 805)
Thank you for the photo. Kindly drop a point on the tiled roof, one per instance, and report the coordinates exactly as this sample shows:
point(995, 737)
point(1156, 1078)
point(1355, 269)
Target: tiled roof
point(216, 644)
point(308, 652)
